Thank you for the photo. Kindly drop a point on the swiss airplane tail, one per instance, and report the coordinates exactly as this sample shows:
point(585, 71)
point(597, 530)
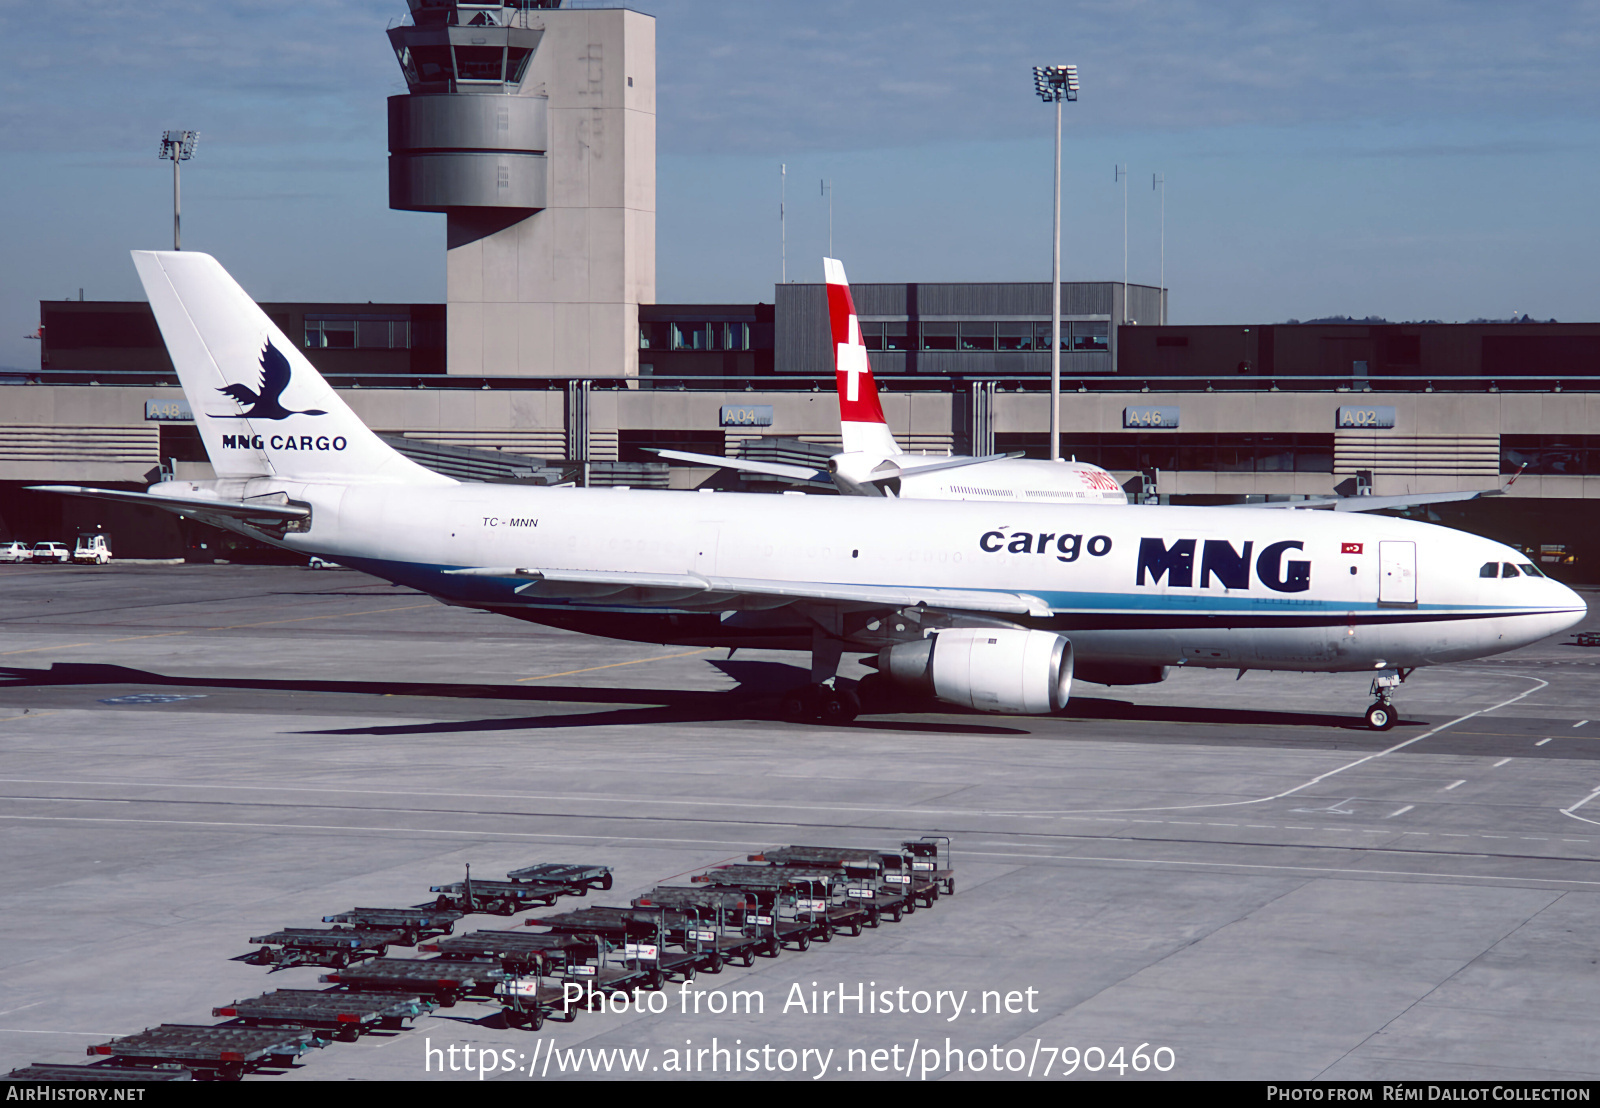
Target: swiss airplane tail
point(861, 419)
point(261, 408)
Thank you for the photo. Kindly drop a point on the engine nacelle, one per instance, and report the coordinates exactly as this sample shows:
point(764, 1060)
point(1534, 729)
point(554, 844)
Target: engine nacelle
point(1006, 670)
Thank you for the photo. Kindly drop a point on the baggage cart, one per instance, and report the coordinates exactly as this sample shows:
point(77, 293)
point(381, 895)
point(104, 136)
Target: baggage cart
point(578, 878)
point(412, 923)
point(316, 946)
point(222, 1053)
point(930, 858)
point(638, 935)
point(722, 920)
point(49, 1071)
point(792, 904)
point(335, 1014)
point(444, 982)
point(501, 898)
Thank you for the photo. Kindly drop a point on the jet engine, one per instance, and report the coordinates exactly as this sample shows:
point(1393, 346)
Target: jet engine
point(1008, 670)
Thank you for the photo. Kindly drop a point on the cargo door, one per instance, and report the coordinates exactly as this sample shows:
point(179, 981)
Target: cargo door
point(1397, 565)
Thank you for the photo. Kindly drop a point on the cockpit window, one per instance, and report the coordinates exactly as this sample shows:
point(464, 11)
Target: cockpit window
point(1490, 569)
point(1509, 570)
point(1531, 570)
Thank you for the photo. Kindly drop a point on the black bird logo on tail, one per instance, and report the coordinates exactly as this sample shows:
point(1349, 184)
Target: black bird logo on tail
point(274, 379)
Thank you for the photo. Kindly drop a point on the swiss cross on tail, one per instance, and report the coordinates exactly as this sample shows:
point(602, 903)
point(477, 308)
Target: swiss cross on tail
point(863, 426)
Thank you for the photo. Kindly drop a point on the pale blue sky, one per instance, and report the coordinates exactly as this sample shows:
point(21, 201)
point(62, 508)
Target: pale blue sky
point(1412, 160)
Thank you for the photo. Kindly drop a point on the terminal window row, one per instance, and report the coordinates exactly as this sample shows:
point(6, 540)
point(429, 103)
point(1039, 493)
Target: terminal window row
point(365, 332)
point(1092, 334)
point(694, 336)
point(1145, 451)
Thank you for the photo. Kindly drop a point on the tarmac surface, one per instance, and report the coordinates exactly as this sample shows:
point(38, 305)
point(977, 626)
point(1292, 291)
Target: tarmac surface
point(1236, 871)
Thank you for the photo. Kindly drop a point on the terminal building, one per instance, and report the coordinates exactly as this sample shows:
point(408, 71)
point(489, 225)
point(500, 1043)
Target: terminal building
point(530, 127)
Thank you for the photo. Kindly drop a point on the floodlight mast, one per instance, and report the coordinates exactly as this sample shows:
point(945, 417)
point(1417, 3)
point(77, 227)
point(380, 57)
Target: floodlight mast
point(1055, 83)
point(177, 146)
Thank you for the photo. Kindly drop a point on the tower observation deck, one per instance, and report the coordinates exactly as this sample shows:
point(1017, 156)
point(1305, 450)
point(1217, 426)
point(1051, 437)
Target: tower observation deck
point(532, 128)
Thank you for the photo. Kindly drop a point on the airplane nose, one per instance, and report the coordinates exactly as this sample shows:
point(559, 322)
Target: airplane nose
point(1578, 607)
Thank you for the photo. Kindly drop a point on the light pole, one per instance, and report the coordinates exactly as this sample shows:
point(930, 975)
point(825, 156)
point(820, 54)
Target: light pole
point(1158, 182)
point(177, 146)
point(1122, 175)
point(827, 190)
point(1055, 83)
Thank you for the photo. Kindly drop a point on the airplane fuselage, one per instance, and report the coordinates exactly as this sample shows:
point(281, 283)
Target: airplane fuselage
point(1143, 585)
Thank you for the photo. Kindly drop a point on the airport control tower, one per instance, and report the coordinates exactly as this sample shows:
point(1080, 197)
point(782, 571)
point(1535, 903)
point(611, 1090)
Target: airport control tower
point(533, 128)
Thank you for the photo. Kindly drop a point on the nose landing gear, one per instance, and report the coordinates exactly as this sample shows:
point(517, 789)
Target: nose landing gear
point(1382, 714)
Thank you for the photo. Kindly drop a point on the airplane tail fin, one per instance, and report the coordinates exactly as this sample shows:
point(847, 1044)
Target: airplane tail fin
point(261, 408)
point(861, 421)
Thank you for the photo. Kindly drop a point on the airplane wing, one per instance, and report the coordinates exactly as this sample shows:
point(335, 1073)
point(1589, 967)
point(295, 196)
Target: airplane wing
point(693, 590)
point(775, 469)
point(271, 510)
point(1375, 503)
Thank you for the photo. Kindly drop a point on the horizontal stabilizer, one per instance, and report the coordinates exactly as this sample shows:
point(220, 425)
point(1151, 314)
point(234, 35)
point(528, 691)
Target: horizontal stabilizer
point(775, 469)
point(274, 509)
point(904, 470)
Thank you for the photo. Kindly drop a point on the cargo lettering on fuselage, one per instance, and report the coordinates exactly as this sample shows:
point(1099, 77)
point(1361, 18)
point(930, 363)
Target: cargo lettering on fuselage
point(1220, 562)
point(1067, 548)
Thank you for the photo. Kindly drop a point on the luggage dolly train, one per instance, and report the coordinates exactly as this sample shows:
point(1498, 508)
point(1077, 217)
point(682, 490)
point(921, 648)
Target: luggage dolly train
point(597, 957)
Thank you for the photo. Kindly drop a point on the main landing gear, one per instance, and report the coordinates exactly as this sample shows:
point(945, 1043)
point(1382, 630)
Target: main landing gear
point(821, 701)
point(1382, 714)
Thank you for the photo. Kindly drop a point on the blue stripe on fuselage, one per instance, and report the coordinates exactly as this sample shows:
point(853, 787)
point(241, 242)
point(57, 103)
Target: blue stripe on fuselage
point(500, 591)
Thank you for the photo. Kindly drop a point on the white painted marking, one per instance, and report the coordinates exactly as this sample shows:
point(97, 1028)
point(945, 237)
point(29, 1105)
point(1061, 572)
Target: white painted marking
point(35, 1031)
point(1580, 723)
point(1500, 763)
point(1535, 838)
point(1447, 788)
point(1573, 811)
point(1454, 835)
point(1401, 812)
point(1541, 742)
point(1337, 870)
point(1494, 836)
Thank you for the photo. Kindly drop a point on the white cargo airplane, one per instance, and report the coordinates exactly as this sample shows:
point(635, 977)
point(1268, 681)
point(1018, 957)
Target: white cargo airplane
point(986, 605)
point(872, 463)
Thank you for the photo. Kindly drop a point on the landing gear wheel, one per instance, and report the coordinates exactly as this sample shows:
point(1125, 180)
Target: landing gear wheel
point(1381, 716)
point(796, 706)
point(835, 707)
point(819, 704)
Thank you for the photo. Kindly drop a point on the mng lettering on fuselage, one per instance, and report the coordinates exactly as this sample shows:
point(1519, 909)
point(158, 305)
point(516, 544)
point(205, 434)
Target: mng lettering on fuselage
point(1221, 563)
